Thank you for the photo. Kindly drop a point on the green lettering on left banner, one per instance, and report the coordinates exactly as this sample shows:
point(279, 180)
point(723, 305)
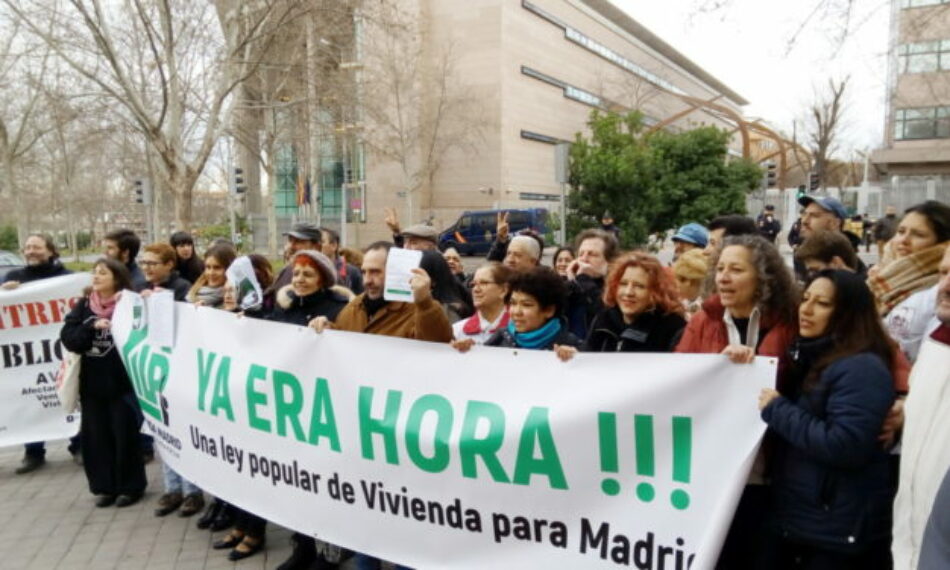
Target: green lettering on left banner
point(536, 433)
point(220, 393)
point(472, 447)
point(322, 418)
point(384, 427)
point(287, 407)
point(255, 399)
point(442, 409)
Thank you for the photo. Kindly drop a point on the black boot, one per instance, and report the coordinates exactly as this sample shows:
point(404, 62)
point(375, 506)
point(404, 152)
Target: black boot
point(303, 555)
point(224, 518)
point(30, 463)
point(210, 514)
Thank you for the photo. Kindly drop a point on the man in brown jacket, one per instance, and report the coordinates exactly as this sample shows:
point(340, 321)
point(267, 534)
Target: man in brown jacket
point(369, 312)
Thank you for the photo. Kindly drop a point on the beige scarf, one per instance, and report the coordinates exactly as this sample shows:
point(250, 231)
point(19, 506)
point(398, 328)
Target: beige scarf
point(902, 277)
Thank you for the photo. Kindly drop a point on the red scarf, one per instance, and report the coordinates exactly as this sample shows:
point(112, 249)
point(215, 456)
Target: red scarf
point(473, 325)
point(103, 308)
point(942, 334)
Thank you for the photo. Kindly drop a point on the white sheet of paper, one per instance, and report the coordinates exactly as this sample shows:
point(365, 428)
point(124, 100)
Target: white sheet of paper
point(399, 266)
point(241, 275)
point(160, 307)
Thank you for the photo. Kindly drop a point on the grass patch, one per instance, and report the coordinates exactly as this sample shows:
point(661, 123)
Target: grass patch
point(79, 266)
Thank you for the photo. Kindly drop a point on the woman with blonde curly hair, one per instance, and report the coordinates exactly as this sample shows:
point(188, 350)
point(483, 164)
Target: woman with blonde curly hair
point(690, 270)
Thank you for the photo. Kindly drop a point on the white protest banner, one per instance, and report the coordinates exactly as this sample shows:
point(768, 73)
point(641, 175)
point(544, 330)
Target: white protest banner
point(31, 317)
point(420, 455)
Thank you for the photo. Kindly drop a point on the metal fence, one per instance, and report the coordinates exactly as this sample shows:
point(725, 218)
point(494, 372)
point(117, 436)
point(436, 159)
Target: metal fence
point(901, 192)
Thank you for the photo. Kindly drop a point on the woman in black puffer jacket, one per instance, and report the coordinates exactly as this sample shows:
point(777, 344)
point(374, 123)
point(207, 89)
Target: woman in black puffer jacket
point(830, 477)
point(111, 417)
point(312, 291)
point(642, 313)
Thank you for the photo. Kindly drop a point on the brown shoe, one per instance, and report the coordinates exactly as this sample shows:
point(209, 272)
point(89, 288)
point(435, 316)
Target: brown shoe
point(193, 504)
point(168, 503)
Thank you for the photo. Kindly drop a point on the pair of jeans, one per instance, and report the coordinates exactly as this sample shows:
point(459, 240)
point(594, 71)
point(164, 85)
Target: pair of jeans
point(38, 448)
point(367, 562)
point(175, 483)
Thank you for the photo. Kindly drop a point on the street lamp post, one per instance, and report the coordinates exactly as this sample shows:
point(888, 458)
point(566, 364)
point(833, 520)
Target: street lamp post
point(562, 154)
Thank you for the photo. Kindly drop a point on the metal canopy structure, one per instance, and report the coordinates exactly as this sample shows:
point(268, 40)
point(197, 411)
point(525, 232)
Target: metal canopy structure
point(759, 143)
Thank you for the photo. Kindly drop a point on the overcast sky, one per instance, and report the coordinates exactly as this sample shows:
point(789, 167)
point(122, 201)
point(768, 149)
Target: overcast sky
point(746, 46)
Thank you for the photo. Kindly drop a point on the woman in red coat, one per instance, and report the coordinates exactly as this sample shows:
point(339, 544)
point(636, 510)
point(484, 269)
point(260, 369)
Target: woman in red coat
point(752, 311)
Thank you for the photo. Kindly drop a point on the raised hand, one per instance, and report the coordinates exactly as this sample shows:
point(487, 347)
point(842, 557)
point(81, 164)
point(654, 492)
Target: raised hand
point(421, 285)
point(501, 229)
point(391, 219)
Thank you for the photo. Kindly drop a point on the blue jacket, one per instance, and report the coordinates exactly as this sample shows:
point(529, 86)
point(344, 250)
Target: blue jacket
point(831, 480)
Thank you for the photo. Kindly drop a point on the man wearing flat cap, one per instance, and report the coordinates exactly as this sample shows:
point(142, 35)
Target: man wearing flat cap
point(420, 237)
point(302, 236)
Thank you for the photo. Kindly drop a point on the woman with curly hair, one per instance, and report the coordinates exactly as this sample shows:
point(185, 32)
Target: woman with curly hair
point(536, 300)
point(690, 270)
point(752, 311)
point(642, 312)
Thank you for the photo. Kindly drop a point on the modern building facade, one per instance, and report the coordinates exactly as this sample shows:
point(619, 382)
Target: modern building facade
point(524, 75)
point(915, 159)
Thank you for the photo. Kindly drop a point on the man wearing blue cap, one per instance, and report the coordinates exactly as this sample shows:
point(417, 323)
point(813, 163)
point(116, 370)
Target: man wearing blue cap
point(824, 213)
point(690, 236)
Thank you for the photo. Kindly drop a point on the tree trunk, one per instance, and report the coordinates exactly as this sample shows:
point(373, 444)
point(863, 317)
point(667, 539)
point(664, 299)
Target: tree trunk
point(18, 208)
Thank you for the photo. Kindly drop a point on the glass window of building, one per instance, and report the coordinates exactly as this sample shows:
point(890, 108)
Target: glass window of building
point(925, 123)
point(925, 56)
point(916, 3)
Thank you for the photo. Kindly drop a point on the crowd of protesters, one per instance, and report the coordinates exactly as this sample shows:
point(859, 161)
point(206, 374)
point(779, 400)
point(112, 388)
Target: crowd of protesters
point(821, 492)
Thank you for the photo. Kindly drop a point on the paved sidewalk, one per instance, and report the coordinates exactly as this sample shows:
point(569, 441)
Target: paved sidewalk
point(48, 521)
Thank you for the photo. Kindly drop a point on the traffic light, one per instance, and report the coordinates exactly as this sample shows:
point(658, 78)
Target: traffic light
point(801, 192)
point(771, 175)
point(143, 190)
point(237, 181)
point(813, 181)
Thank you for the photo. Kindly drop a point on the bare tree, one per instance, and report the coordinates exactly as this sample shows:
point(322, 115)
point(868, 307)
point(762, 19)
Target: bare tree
point(825, 127)
point(171, 65)
point(22, 65)
point(418, 108)
point(836, 19)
